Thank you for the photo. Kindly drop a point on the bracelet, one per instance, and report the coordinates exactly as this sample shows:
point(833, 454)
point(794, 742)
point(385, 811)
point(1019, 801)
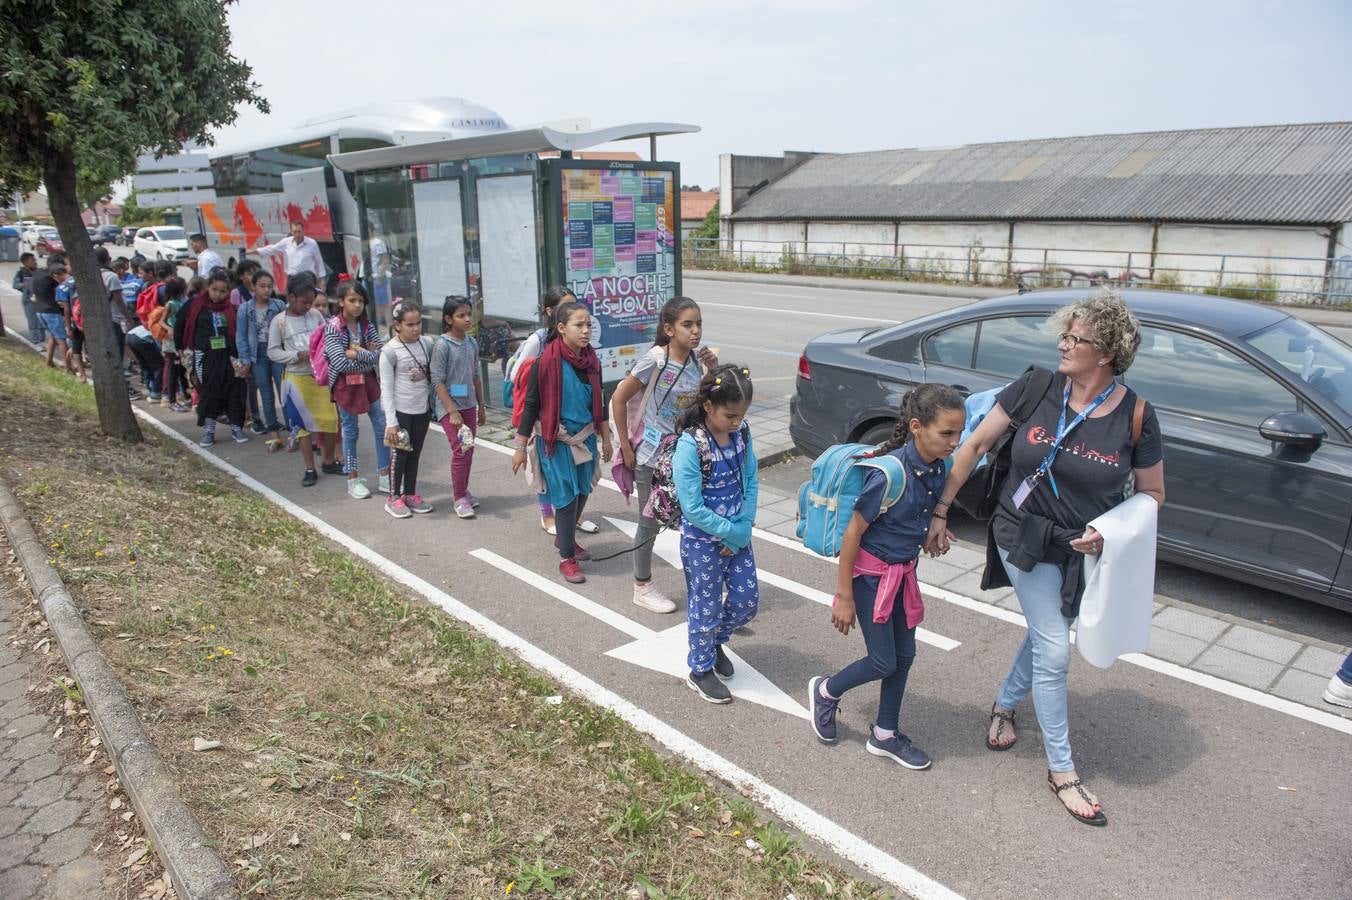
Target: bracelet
point(942, 502)
point(937, 516)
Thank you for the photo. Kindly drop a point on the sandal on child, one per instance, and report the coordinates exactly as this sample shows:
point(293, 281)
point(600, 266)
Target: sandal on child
point(273, 444)
point(1097, 819)
point(1006, 718)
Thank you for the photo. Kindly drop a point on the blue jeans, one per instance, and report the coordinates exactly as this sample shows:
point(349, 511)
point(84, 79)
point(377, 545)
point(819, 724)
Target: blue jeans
point(54, 324)
point(350, 434)
point(1043, 659)
point(891, 650)
point(37, 334)
point(1345, 673)
point(266, 377)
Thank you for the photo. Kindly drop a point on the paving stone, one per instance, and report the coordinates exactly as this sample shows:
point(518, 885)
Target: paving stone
point(35, 768)
point(31, 746)
point(1010, 603)
point(937, 572)
point(81, 878)
point(23, 726)
point(1238, 667)
point(1303, 687)
point(1175, 647)
point(1318, 661)
point(1260, 644)
point(15, 849)
point(12, 709)
point(788, 529)
point(13, 671)
point(64, 846)
point(54, 817)
point(11, 690)
point(969, 585)
point(40, 793)
point(965, 557)
point(1190, 623)
point(13, 818)
point(21, 881)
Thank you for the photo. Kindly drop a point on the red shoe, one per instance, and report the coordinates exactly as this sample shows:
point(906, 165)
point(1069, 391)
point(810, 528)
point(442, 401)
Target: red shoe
point(579, 554)
point(571, 573)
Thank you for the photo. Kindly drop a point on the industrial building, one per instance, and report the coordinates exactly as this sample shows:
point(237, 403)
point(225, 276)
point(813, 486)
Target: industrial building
point(1264, 208)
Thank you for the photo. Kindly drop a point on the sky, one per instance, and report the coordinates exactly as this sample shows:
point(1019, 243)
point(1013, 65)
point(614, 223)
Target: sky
point(821, 75)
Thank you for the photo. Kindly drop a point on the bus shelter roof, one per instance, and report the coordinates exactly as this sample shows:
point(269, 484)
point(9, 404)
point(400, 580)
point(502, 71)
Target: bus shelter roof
point(512, 142)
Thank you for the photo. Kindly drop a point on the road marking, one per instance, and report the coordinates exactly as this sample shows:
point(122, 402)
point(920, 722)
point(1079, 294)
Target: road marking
point(663, 651)
point(798, 312)
point(793, 354)
point(813, 824)
point(667, 546)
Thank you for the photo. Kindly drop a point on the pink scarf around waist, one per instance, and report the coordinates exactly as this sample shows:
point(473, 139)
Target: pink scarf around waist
point(891, 577)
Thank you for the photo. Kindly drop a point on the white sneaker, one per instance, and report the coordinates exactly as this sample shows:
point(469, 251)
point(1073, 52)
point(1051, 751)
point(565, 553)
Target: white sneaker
point(587, 526)
point(648, 597)
point(357, 489)
point(1339, 692)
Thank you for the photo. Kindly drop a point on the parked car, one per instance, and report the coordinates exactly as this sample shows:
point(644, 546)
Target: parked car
point(1255, 406)
point(47, 241)
point(30, 235)
point(127, 236)
point(162, 242)
point(105, 234)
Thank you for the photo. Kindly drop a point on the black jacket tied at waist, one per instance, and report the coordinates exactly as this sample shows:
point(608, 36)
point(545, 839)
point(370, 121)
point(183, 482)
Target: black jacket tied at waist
point(1039, 540)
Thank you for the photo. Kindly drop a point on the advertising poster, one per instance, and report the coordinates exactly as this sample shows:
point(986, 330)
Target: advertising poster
point(620, 228)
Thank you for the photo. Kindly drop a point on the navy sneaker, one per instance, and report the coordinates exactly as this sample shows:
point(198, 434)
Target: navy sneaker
point(311, 477)
point(899, 748)
point(333, 468)
point(707, 685)
point(823, 711)
point(722, 665)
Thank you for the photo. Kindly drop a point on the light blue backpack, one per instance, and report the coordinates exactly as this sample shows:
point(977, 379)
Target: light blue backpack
point(826, 503)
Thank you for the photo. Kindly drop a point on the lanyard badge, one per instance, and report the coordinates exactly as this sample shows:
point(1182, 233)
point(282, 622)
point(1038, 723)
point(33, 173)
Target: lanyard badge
point(1062, 432)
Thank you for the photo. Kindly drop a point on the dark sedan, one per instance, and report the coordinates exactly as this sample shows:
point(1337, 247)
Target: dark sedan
point(1255, 406)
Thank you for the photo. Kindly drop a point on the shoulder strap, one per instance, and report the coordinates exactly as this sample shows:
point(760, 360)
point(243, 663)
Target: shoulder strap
point(651, 386)
point(1137, 421)
point(1039, 381)
point(895, 475)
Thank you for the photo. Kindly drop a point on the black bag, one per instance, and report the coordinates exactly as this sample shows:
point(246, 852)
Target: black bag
point(981, 494)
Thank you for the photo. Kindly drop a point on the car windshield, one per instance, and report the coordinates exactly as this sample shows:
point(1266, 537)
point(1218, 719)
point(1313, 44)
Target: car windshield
point(170, 234)
point(1315, 357)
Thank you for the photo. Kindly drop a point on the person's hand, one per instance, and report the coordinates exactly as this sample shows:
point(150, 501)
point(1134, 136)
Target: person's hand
point(939, 539)
point(244, 369)
point(1090, 543)
point(391, 432)
point(456, 421)
point(518, 460)
point(627, 454)
point(842, 611)
point(707, 357)
point(302, 356)
point(350, 352)
point(483, 412)
point(607, 449)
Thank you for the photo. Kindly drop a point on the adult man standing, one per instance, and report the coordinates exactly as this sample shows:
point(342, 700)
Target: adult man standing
point(207, 259)
point(23, 283)
point(45, 282)
point(299, 253)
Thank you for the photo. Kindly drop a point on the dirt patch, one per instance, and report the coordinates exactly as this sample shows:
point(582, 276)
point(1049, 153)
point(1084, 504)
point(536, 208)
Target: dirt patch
point(364, 743)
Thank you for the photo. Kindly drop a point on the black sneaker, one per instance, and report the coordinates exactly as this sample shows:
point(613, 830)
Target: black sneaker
point(332, 468)
point(257, 428)
point(709, 687)
point(899, 749)
point(310, 479)
point(722, 665)
point(823, 711)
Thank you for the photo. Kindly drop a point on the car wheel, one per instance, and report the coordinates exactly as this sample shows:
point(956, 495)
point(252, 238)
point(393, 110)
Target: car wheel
point(877, 434)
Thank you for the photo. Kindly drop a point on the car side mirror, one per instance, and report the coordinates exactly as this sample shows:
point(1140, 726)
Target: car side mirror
point(1297, 430)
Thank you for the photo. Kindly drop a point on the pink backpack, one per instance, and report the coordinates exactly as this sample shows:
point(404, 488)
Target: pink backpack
point(319, 363)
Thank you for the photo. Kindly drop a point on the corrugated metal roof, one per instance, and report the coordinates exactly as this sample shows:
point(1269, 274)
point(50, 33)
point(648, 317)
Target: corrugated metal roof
point(1275, 174)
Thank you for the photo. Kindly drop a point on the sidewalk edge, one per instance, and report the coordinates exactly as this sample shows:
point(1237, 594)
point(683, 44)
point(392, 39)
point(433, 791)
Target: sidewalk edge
point(197, 870)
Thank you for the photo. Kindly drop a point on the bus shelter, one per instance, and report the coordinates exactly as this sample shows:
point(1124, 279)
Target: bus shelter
point(487, 217)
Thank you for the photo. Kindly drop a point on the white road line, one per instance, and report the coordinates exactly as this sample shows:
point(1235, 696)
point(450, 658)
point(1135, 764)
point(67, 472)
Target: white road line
point(797, 312)
point(813, 824)
point(578, 602)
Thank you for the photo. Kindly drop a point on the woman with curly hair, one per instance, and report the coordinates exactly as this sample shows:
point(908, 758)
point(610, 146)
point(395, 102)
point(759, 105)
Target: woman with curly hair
point(1069, 463)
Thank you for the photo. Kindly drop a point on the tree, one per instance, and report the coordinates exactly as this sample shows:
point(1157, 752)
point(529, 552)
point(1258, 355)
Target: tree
point(89, 85)
point(709, 227)
point(134, 214)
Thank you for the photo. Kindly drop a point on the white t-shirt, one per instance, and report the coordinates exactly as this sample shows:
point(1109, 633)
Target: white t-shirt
point(207, 260)
point(405, 371)
point(288, 335)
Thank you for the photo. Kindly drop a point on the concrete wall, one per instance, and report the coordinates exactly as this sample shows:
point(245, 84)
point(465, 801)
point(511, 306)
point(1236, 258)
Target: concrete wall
point(764, 241)
point(854, 239)
point(1240, 248)
point(1082, 247)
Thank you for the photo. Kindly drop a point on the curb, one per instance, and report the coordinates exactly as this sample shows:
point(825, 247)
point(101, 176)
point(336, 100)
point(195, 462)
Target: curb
point(196, 869)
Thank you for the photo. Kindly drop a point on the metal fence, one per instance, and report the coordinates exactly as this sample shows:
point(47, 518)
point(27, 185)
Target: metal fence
point(1273, 279)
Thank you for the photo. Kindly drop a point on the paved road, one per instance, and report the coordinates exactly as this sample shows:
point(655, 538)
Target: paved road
point(1208, 794)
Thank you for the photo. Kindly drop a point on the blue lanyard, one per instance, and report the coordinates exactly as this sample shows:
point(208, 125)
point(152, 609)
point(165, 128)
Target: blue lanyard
point(1063, 430)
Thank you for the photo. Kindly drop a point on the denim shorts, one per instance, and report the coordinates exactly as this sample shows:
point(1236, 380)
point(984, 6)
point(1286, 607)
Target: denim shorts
point(55, 324)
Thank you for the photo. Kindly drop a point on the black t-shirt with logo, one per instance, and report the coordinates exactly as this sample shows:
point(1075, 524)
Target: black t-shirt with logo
point(44, 292)
point(1091, 469)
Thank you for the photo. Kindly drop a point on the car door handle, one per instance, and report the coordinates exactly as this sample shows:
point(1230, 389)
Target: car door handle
point(961, 389)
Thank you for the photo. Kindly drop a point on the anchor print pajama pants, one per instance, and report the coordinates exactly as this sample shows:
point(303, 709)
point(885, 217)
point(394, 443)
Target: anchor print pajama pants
point(711, 618)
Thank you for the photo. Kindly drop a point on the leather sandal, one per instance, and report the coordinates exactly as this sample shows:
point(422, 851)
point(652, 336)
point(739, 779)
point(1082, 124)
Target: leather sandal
point(1006, 718)
point(1097, 819)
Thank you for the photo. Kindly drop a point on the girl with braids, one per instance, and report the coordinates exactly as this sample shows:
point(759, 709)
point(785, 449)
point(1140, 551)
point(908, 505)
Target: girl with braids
point(715, 474)
point(877, 580)
point(563, 414)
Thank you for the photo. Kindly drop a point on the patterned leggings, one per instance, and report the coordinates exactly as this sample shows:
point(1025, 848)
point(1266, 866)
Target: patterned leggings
point(711, 619)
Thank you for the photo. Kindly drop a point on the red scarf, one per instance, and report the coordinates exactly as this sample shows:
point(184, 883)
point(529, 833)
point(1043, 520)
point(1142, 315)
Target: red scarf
point(200, 302)
point(549, 372)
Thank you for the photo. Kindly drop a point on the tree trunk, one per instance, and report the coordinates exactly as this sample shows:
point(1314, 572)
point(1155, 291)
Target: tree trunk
point(105, 362)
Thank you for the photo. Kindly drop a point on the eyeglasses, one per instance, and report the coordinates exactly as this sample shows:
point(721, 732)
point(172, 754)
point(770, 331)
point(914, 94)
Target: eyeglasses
point(1074, 339)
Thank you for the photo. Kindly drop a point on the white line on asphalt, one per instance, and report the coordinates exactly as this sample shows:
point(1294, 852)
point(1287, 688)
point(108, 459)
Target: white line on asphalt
point(797, 312)
point(812, 823)
point(793, 354)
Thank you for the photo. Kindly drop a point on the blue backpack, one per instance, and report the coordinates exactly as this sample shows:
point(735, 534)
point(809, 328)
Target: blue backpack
point(977, 406)
point(826, 503)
